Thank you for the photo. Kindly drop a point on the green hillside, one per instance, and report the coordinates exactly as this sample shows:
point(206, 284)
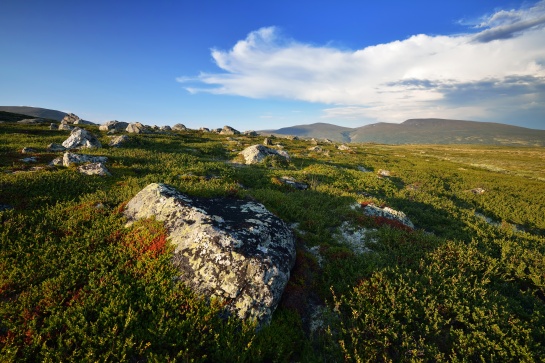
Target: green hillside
point(466, 284)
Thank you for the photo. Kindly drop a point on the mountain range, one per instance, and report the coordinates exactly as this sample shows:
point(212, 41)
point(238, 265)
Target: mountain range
point(420, 131)
point(412, 131)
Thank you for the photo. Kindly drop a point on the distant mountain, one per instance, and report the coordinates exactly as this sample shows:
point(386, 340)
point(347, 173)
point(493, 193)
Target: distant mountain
point(422, 131)
point(35, 112)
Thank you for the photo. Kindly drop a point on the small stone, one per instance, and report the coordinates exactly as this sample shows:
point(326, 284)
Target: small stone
point(382, 172)
point(28, 150)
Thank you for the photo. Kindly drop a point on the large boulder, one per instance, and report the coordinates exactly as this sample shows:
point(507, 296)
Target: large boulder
point(113, 125)
point(70, 118)
point(117, 141)
point(228, 130)
point(80, 138)
point(70, 158)
point(137, 128)
point(232, 249)
point(256, 153)
point(179, 127)
point(94, 169)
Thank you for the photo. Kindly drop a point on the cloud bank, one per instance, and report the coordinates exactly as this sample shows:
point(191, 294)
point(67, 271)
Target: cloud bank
point(494, 72)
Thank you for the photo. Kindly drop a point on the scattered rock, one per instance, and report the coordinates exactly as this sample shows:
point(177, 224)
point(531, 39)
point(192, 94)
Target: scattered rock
point(94, 169)
point(232, 249)
point(81, 138)
point(267, 142)
point(327, 141)
point(55, 147)
point(343, 147)
point(53, 126)
point(388, 213)
point(256, 153)
point(291, 137)
point(113, 125)
point(31, 159)
point(313, 141)
point(84, 122)
point(204, 129)
point(288, 180)
point(250, 133)
point(478, 191)
point(316, 149)
point(382, 172)
point(70, 118)
point(228, 130)
point(117, 141)
point(179, 127)
point(71, 158)
point(28, 150)
point(56, 162)
point(65, 127)
point(137, 128)
point(355, 238)
point(165, 128)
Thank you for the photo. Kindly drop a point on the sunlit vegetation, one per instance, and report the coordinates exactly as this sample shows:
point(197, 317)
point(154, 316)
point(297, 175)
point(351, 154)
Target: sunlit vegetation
point(468, 284)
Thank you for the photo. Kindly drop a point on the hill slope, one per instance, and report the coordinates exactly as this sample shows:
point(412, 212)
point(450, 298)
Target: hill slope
point(35, 112)
point(423, 131)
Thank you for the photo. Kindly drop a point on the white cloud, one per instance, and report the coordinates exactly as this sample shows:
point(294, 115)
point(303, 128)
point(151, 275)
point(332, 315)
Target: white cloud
point(422, 76)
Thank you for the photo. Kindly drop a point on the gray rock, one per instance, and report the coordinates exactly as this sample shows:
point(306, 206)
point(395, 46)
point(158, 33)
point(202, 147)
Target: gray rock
point(383, 172)
point(117, 141)
point(84, 122)
point(113, 125)
point(81, 138)
point(179, 127)
point(343, 147)
point(165, 128)
point(65, 127)
point(70, 158)
point(232, 249)
point(55, 147)
point(204, 129)
point(56, 162)
point(290, 181)
point(228, 130)
point(316, 149)
point(28, 150)
point(94, 169)
point(267, 142)
point(250, 133)
point(256, 153)
point(53, 126)
point(387, 212)
point(70, 118)
point(478, 191)
point(137, 128)
point(31, 159)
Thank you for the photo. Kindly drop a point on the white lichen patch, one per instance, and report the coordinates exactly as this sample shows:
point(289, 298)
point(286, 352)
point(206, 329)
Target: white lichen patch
point(355, 238)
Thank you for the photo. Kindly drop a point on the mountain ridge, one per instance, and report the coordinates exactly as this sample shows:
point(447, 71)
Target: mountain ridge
point(421, 131)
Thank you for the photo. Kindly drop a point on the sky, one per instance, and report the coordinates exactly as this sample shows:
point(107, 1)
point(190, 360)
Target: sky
point(258, 65)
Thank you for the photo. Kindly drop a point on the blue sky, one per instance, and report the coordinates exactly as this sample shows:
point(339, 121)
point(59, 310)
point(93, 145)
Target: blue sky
point(270, 64)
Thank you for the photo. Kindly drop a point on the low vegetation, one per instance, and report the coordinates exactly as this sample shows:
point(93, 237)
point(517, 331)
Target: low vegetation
point(467, 284)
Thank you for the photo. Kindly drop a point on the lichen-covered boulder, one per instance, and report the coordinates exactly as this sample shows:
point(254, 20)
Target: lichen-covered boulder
point(256, 153)
point(94, 169)
point(113, 125)
point(70, 158)
point(232, 249)
point(388, 213)
point(228, 130)
point(81, 138)
point(179, 127)
point(137, 128)
point(117, 141)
